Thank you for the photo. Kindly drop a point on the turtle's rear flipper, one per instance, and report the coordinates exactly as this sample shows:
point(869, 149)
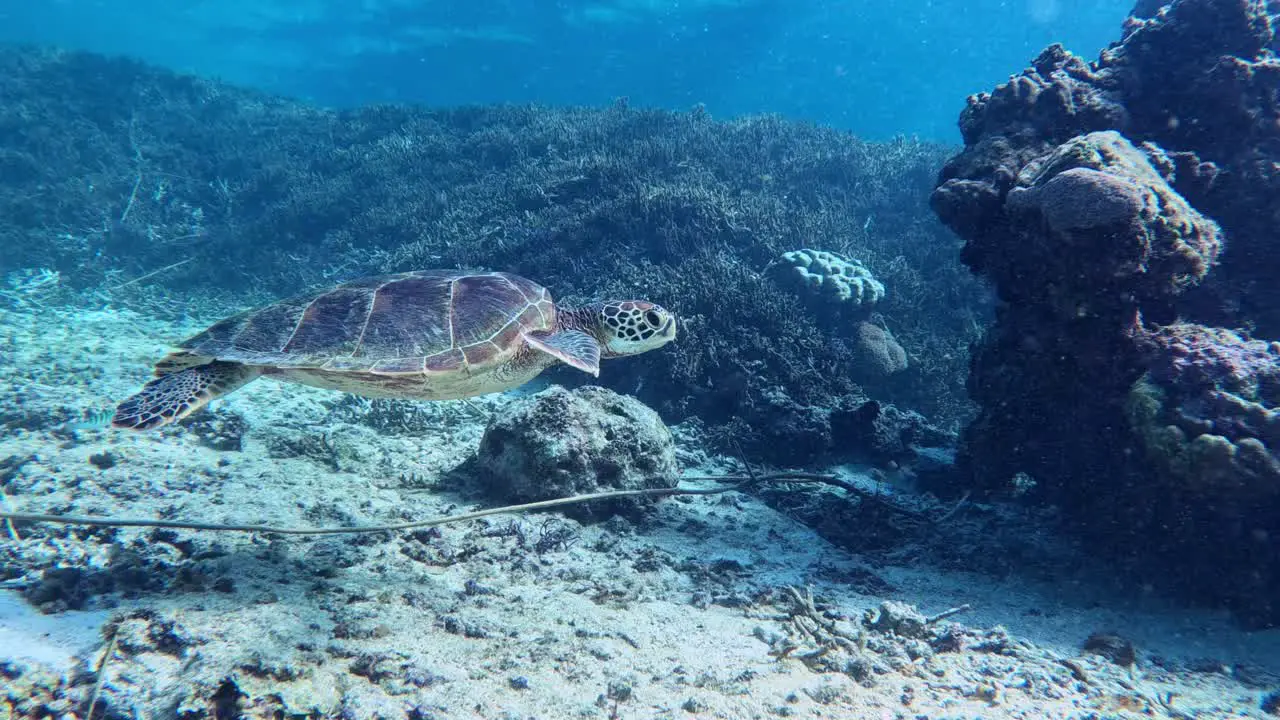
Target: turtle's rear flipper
point(177, 395)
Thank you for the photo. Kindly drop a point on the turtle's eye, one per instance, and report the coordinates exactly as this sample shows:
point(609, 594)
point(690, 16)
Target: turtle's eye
point(653, 318)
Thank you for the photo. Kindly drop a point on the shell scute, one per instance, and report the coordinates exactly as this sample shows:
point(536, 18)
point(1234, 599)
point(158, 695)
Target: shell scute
point(398, 366)
point(346, 363)
point(482, 305)
point(445, 362)
point(409, 317)
point(267, 330)
point(331, 323)
point(481, 353)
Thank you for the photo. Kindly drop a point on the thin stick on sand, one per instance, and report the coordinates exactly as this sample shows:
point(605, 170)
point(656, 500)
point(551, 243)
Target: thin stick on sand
point(102, 673)
point(153, 273)
point(8, 523)
point(731, 483)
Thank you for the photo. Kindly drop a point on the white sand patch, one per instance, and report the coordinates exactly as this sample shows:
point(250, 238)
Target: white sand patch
point(54, 640)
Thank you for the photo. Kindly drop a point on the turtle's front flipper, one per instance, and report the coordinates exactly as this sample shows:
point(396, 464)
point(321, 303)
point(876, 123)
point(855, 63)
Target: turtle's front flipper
point(569, 346)
point(177, 395)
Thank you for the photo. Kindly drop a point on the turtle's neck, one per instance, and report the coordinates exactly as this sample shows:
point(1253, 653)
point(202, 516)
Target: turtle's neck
point(583, 318)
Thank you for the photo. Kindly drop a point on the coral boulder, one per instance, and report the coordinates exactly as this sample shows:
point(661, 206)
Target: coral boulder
point(878, 352)
point(1092, 214)
point(1099, 199)
point(559, 443)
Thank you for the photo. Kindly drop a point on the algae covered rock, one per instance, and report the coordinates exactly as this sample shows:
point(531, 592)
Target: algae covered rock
point(1097, 214)
point(1208, 412)
point(559, 443)
point(829, 278)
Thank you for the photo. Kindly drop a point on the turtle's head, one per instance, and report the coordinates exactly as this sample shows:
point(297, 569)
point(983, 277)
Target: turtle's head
point(629, 327)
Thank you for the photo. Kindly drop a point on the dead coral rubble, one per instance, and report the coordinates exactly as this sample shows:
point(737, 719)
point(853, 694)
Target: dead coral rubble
point(935, 660)
point(1107, 201)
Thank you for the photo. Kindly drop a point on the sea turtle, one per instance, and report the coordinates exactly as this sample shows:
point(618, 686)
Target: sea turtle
point(426, 335)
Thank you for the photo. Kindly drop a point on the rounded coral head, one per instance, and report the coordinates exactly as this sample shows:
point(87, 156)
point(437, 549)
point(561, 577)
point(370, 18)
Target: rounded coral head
point(635, 326)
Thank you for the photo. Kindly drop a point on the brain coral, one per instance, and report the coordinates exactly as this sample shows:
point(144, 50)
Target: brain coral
point(831, 278)
point(877, 351)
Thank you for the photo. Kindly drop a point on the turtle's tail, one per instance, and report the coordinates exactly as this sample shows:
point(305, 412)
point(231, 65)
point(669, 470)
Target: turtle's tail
point(172, 397)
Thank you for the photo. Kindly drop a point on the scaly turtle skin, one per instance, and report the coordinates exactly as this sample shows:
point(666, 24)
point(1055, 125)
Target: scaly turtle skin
point(426, 335)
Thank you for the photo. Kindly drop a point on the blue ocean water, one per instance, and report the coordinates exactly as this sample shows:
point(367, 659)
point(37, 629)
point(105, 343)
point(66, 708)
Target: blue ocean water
point(875, 67)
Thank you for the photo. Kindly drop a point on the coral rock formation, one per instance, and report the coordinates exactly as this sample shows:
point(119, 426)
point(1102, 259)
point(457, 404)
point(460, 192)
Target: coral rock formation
point(1098, 200)
point(1122, 209)
point(559, 443)
point(1209, 410)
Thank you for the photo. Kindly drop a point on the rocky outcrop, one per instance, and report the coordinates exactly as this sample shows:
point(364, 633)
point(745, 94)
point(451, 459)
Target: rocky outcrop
point(1122, 209)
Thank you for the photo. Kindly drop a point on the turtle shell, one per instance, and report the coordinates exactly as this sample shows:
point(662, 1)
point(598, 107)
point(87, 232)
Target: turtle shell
point(426, 321)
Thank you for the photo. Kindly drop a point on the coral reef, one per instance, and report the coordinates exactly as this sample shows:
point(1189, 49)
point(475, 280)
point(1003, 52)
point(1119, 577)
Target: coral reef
point(863, 431)
point(529, 615)
point(1107, 201)
point(1207, 418)
point(843, 292)
point(167, 191)
point(559, 443)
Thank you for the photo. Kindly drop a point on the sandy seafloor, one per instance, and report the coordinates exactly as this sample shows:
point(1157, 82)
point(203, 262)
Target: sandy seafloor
point(685, 614)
